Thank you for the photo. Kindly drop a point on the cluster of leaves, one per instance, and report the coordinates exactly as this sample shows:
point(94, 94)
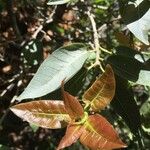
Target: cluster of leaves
point(130, 67)
point(81, 124)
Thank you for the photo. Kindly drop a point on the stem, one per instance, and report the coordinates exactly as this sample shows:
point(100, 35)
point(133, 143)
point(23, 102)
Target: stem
point(96, 38)
point(39, 29)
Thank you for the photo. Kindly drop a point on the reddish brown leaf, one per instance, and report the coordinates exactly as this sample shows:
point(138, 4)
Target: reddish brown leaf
point(72, 135)
point(73, 107)
point(99, 134)
point(99, 95)
point(44, 113)
point(123, 39)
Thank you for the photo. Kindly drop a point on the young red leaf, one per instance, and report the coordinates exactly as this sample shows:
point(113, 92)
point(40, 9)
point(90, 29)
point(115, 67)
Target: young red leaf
point(72, 105)
point(99, 134)
point(44, 113)
point(72, 135)
point(99, 95)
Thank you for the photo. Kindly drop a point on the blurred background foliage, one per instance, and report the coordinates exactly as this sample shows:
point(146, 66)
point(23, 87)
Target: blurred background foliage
point(30, 30)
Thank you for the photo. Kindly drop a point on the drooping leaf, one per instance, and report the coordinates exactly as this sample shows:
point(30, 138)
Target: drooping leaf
point(132, 11)
point(63, 63)
point(99, 134)
point(44, 113)
point(73, 133)
point(102, 91)
point(72, 105)
point(57, 2)
point(131, 53)
point(124, 104)
point(136, 17)
point(127, 52)
point(123, 67)
point(143, 27)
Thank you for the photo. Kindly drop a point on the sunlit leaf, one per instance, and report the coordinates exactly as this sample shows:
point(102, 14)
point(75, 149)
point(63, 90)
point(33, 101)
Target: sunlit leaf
point(99, 134)
point(44, 113)
point(102, 91)
point(62, 63)
point(72, 105)
point(139, 13)
point(57, 2)
point(72, 135)
point(143, 25)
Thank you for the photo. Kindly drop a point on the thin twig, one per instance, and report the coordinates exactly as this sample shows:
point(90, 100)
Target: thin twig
point(96, 40)
point(50, 19)
point(95, 34)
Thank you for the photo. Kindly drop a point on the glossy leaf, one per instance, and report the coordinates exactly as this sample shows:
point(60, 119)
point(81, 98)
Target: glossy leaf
point(72, 105)
point(102, 91)
point(99, 134)
point(57, 2)
point(73, 133)
point(44, 113)
point(63, 63)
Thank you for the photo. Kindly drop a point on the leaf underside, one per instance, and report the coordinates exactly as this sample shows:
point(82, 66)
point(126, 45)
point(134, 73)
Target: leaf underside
point(65, 62)
point(99, 134)
point(102, 90)
point(43, 113)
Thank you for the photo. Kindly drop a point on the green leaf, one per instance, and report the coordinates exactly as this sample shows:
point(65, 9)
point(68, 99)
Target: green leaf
point(3, 147)
point(65, 62)
point(124, 104)
point(126, 51)
point(141, 27)
point(144, 77)
point(136, 17)
point(44, 113)
point(34, 127)
point(57, 2)
point(125, 67)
